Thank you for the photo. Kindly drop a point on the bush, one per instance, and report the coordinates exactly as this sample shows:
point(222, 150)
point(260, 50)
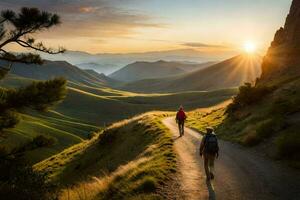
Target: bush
point(148, 184)
point(43, 141)
point(267, 128)
point(263, 130)
point(248, 95)
point(92, 135)
point(251, 139)
point(9, 119)
point(40, 95)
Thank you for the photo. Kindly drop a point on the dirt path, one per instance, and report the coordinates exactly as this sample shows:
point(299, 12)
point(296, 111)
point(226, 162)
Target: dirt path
point(240, 173)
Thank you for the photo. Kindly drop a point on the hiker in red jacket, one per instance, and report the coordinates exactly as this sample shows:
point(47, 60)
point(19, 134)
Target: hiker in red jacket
point(180, 119)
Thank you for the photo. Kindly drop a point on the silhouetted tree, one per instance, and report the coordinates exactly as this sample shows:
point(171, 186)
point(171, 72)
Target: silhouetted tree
point(18, 181)
point(18, 28)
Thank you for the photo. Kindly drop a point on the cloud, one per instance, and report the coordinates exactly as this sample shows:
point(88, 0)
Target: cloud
point(89, 18)
point(202, 45)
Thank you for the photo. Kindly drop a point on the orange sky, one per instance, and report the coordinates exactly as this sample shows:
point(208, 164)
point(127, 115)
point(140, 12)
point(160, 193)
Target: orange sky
point(100, 26)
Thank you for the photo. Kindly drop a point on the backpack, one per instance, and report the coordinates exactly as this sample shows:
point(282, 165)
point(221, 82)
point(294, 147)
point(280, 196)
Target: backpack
point(211, 144)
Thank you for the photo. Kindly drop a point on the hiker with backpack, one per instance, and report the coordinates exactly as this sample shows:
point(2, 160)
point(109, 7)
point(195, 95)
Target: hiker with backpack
point(180, 119)
point(209, 149)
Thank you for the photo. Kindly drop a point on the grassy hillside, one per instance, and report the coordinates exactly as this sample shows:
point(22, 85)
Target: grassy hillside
point(86, 108)
point(51, 69)
point(106, 80)
point(130, 160)
point(264, 116)
point(65, 132)
point(101, 110)
point(267, 114)
point(229, 73)
point(103, 105)
point(146, 70)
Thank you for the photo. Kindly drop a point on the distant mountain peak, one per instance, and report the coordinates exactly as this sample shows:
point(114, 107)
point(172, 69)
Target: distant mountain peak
point(161, 61)
point(283, 54)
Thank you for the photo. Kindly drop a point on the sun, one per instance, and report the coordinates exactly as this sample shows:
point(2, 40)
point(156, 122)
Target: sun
point(249, 47)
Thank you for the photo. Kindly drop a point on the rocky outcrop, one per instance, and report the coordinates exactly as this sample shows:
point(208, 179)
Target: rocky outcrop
point(283, 57)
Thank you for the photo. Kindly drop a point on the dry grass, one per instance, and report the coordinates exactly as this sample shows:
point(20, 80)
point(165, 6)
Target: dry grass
point(129, 160)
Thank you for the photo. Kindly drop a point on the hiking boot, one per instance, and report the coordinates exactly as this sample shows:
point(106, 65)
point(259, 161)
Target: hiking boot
point(212, 176)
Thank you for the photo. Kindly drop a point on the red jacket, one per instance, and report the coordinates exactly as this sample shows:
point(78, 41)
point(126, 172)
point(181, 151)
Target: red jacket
point(181, 116)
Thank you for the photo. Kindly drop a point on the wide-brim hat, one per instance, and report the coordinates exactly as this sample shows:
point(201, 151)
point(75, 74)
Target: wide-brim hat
point(209, 129)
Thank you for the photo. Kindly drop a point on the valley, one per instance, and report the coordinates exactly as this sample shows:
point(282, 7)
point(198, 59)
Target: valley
point(104, 124)
point(97, 106)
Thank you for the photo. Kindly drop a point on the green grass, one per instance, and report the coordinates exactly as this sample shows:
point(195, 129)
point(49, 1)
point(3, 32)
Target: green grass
point(101, 105)
point(199, 120)
point(272, 122)
point(130, 160)
point(66, 133)
point(101, 110)
point(86, 108)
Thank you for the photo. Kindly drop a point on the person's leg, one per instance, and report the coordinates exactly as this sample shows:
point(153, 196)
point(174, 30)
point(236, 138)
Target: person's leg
point(182, 128)
point(211, 165)
point(179, 128)
point(206, 167)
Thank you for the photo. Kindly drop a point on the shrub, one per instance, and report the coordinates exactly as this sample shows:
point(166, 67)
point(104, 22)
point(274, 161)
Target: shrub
point(251, 139)
point(269, 127)
point(92, 135)
point(43, 141)
point(148, 184)
point(263, 130)
point(9, 119)
point(248, 95)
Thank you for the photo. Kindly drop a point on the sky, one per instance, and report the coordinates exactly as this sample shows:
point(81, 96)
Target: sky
point(123, 26)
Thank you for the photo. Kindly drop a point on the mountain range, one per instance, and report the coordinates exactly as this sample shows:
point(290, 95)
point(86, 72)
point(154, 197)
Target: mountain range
point(108, 63)
point(51, 69)
point(160, 69)
point(229, 73)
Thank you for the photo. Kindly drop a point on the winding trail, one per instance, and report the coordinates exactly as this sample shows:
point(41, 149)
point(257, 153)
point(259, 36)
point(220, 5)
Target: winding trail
point(241, 174)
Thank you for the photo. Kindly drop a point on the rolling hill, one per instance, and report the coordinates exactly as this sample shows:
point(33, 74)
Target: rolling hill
point(160, 69)
point(229, 73)
point(132, 159)
point(88, 108)
point(63, 130)
point(146, 70)
point(105, 79)
point(102, 105)
point(99, 68)
point(51, 69)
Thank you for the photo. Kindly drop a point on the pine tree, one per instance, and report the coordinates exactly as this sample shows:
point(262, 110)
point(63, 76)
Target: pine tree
point(19, 28)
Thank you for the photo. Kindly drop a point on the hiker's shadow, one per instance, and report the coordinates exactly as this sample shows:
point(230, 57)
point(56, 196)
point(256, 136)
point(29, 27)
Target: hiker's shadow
point(211, 191)
point(176, 138)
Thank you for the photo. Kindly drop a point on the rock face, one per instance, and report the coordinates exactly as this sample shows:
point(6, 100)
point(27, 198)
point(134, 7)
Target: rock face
point(283, 57)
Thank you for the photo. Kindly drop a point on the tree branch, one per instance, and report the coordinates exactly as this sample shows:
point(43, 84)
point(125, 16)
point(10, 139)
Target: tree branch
point(4, 20)
point(41, 47)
